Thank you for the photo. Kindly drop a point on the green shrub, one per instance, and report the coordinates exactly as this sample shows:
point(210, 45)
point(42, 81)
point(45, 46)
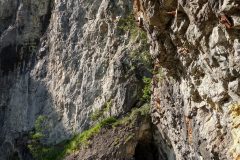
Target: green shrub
point(146, 97)
point(40, 122)
point(36, 136)
point(107, 106)
point(128, 24)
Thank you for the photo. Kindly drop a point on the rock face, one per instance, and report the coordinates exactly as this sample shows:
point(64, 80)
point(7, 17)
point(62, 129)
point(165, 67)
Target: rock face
point(133, 139)
point(67, 59)
point(196, 85)
point(63, 59)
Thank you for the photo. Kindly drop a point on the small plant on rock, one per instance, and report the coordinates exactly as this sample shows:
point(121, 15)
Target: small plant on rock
point(99, 114)
point(36, 136)
point(146, 97)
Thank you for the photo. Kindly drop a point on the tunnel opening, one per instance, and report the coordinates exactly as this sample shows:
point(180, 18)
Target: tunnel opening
point(146, 151)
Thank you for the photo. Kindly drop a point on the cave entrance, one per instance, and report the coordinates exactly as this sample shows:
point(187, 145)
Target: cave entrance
point(146, 151)
point(14, 156)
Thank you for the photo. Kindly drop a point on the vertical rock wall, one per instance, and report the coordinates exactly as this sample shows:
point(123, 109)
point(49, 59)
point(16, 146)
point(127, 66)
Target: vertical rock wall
point(196, 82)
point(64, 59)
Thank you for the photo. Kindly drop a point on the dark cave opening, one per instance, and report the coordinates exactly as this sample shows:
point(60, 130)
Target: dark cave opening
point(146, 151)
point(13, 56)
point(8, 58)
point(14, 156)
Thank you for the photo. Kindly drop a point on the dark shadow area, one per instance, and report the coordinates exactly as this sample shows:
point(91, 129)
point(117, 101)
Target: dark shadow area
point(8, 59)
point(45, 19)
point(18, 147)
point(14, 156)
point(17, 56)
point(146, 151)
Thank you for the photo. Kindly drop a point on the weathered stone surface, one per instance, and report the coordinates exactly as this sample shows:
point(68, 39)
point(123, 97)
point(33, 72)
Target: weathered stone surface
point(120, 142)
point(63, 59)
point(197, 76)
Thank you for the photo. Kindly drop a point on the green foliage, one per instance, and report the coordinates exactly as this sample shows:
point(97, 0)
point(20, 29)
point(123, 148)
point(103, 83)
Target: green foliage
point(131, 118)
point(40, 123)
point(146, 97)
point(61, 150)
point(128, 24)
point(108, 121)
point(96, 115)
point(99, 114)
point(139, 55)
point(140, 58)
point(57, 152)
point(82, 139)
point(107, 106)
point(42, 152)
point(36, 136)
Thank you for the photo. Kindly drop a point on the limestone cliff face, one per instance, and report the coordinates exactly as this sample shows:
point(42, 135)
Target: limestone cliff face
point(62, 59)
point(196, 47)
point(67, 59)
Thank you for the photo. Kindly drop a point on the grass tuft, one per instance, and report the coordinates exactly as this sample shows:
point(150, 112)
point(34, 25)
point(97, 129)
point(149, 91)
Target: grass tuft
point(61, 150)
point(57, 152)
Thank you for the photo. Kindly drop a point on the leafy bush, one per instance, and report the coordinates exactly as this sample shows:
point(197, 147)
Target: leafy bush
point(36, 136)
point(40, 123)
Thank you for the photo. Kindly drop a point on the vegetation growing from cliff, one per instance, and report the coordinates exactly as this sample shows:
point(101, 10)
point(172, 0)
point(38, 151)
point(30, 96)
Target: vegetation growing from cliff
point(146, 97)
point(44, 152)
point(141, 60)
point(100, 114)
point(128, 23)
point(39, 127)
point(36, 136)
point(57, 152)
point(133, 115)
point(139, 37)
point(82, 139)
